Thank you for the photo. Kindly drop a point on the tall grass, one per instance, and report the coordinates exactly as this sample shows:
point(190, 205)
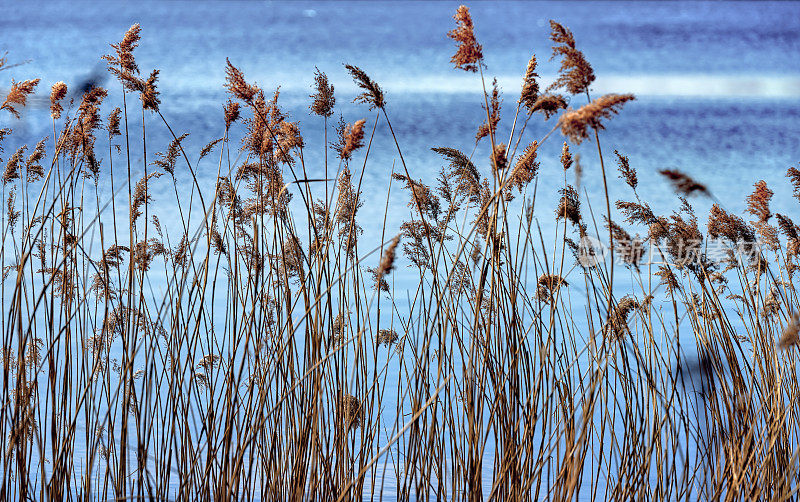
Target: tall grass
point(255, 346)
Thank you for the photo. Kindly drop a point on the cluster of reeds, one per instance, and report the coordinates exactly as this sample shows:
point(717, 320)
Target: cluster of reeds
point(255, 347)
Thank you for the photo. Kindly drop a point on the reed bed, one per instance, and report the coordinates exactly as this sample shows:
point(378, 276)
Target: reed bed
point(251, 345)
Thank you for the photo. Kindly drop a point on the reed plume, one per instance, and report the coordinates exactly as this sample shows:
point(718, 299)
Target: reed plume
point(792, 233)
point(549, 105)
point(33, 168)
point(464, 172)
point(626, 172)
point(794, 178)
point(682, 183)
point(372, 95)
point(638, 213)
point(206, 150)
point(789, 336)
point(113, 121)
point(525, 169)
point(489, 126)
point(499, 159)
point(629, 249)
point(231, 113)
point(422, 197)
point(166, 160)
point(57, 92)
point(617, 325)
point(548, 285)
point(351, 412)
point(141, 195)
point(469, 54)
point(124, 61)
point(566, 157)
point(387, 261)
point(575, 123)
point(18, 96)
point(386, 337)
point(575, 74)
point(530, 87)
point(729, 226)
point(350, 138)
point(323, 99)
point(569, 205)
point(14, 165)
point(236, 84)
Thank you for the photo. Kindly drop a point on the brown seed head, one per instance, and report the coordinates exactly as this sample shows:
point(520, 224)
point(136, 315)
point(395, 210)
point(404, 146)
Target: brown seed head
point(372, 95)
point(124, 59)
point(526, 168)
point(629, 249)
point(566, 157)
point(351, 412)
point(386, 337)
point(14, 165)
point(141, 195)
point(789, 337)
point(794, 177)
point(57, 93)
point(237, 85)
point(617, 324)
point(166, 160)
point(575, 123)
point(387, 262)
point(682, 183)
point(469, 54)
point(626, 172)
point(758, 201)
point(18, 95)
point(499, 159)
point(729, 226)
point(351, 138)
point(33, 169)
point(231, 111)
point(548, 286)
point(489, 126)
point(530, 87)
point(323, 99)
point(636, 212)
point(549, 104)
point(112, 124)
point(422, 197)
point(569, 206)
point(576, 74)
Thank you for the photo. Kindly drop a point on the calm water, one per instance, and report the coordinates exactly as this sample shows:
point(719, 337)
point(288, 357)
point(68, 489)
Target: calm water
point(718, 84)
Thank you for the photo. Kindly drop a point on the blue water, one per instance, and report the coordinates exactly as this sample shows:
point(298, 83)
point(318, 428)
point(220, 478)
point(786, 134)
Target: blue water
point(718, 84)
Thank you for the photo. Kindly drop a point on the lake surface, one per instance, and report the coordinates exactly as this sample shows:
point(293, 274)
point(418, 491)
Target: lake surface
point(718, 94)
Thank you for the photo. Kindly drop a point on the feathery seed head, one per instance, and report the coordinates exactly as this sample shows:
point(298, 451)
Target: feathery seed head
point(526, 168)
point(576, 123)
point(469, 54)
point(789, 337)
point(372, 95)
point(18, 95)
point(57, 93)
point(576, 74)
point(323, 99)
point(530, 87)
